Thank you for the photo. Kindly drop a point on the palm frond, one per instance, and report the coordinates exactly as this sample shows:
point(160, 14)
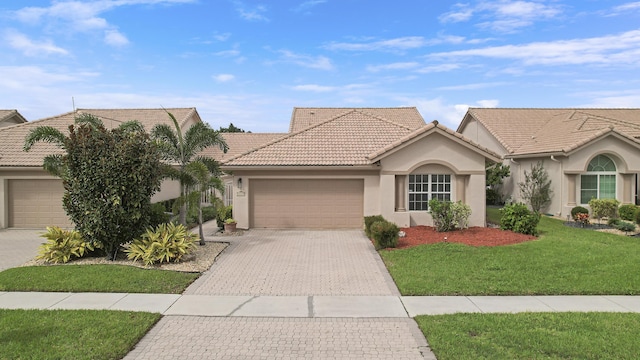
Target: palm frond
point(88, 119)
point(44, 133)
point(212, 165)
point(53, 165)
point(131, 126)
point(201, 136)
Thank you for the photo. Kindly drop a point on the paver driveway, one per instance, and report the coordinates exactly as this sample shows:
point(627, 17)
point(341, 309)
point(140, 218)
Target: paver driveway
point(289, 262)
point(18, 246)
point(297, 262)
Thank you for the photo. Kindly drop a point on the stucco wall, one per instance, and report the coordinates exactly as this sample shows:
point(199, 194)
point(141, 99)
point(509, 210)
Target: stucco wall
point(434, 153)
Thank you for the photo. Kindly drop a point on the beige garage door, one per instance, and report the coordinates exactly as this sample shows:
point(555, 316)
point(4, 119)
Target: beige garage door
point(36, 204)
point(326, 204)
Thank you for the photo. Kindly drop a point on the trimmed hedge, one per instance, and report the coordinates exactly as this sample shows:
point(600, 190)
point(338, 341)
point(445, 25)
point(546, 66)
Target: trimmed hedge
point(627, 212)
point(368, 221)
point(518, 218)
point(385, 234)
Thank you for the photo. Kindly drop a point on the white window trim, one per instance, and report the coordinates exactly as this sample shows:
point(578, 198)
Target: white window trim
point(429, 192)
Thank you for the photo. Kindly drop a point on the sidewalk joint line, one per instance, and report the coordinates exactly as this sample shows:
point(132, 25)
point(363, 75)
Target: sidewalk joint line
point(310, 306)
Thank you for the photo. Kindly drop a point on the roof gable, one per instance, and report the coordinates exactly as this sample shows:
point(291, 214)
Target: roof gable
point(12, 137)
point(302, 118)
point(421, 133)
point(344, 140)
point(539, 131)
point(11, 117)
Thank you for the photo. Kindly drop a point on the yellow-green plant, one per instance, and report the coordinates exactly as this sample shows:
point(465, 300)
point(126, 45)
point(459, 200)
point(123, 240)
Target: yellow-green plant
point(165, 243)
point(63, 245)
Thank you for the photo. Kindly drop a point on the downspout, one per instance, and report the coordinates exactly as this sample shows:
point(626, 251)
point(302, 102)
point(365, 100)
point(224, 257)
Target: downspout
point(553, 158)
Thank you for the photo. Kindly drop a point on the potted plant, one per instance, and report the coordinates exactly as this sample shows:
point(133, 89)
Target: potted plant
point(230, 225)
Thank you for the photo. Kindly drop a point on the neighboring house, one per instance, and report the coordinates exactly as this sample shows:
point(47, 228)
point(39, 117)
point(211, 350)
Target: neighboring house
point(11, 117)
point(337, 165)
point(588, 153)
point(31, 197)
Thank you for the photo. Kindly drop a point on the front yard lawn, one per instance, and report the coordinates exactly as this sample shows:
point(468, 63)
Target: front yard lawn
point(563, 261)
point(533, 336)
point(95, 278)
point(71, 334)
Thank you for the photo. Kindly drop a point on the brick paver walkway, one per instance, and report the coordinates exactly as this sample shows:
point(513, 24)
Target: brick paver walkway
point(18, 246)
point(297, 262)
point(182, 337)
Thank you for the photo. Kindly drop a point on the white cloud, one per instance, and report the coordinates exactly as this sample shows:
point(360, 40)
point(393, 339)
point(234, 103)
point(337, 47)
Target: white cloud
point(307, 5)
point(402, 43)
point(223, 77)
point(255, 13)
point(314, 88)
point(393, 66)
point(115, 38)
point(446, 113)
point(314, 62)
point(474, 86)
point(611, 49)
point(29, 47)
point(438, 68)
point(502, 15)
point(625, 9)
point(83, 16)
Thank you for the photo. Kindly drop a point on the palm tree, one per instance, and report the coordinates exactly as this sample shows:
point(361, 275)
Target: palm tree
point(181, 150)
point(202, 174)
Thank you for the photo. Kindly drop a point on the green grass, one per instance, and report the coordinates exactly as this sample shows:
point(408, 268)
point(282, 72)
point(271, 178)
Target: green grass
point(533, 336)
point(71, 334)
point(493, 214)
point(95, 278)
point(563, 261)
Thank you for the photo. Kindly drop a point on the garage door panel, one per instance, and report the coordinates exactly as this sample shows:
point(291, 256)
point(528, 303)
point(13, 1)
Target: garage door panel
point(309, 203)
point(36, 204)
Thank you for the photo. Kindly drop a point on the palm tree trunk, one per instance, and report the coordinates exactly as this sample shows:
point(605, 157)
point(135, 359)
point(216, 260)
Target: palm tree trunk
point(200, 224)
point(183, 206)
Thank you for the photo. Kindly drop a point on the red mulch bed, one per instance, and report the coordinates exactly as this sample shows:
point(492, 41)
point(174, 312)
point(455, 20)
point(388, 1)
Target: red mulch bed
point(474, 236)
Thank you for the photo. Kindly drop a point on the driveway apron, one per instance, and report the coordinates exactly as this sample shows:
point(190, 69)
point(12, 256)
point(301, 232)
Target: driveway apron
point(289, 263)
point(18, 246)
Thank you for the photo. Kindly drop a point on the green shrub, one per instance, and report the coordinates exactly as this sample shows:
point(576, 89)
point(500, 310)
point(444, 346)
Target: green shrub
point(626, 226)
point(63, 245)
point(613, 222)
point(493, 197)
point(158, 215)
point(385, 234)
point(627, 212)
point(166, 243)
point(223, 213)
point(636, 216)
point(518, 218)
point(578, 210)
point(449, 216)
point(209, 213)
point(368, 221)
point(604, 208)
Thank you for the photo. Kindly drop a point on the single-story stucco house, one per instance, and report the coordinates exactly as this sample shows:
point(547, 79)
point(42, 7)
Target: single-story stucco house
point(588, 153)
point(32, 198)
point(337, 165)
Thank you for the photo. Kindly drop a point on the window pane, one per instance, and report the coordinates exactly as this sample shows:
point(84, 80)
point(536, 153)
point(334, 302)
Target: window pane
point(589, 182)
point(607, 187)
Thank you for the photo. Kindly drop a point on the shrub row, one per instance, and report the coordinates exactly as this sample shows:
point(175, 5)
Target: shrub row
point(607, 208)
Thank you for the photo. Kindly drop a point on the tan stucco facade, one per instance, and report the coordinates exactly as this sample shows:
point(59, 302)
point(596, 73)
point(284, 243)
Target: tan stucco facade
point(565, 169)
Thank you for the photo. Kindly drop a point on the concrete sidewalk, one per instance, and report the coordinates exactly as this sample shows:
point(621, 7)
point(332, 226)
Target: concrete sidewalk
point(316, 306)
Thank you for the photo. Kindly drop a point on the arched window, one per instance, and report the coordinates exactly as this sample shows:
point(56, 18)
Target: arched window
point(424, 187)
point(600, 180)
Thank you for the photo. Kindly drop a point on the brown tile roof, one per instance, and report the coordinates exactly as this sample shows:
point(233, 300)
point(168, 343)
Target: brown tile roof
point(538, 131)
point(343, 140)
point(432, 127)
point(11, 117)
point(12, 138)
point(240, 143)
point(302, 118)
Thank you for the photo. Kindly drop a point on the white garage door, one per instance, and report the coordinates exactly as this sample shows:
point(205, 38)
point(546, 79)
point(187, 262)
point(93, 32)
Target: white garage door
point(36, 204)
point(325, 204)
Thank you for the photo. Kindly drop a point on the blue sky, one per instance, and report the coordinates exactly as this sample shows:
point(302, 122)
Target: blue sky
point(250, 62)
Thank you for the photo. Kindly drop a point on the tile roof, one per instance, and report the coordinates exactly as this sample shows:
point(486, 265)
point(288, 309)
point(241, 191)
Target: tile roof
point(536, 131)
point(431, 127)
point(12, 137)
point(11, 117)
point(302, 118)
point(240, 143)
point(343, 140)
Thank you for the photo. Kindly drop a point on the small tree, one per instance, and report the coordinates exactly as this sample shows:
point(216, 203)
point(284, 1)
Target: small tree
point(231, 129)
point(536, 188)
point(495, 174)
point(206, 177)
point(108, 176)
